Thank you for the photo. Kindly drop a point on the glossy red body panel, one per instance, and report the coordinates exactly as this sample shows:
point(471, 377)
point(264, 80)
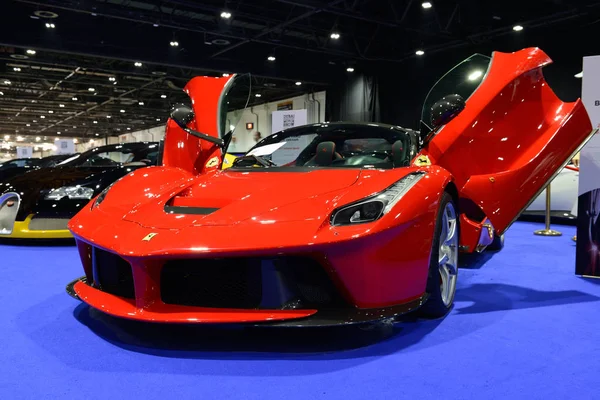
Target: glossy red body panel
point(512, 136)
point(493, 152)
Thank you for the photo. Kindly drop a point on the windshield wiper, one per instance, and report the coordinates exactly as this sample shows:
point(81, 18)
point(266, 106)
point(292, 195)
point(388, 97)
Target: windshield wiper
point(258, 159)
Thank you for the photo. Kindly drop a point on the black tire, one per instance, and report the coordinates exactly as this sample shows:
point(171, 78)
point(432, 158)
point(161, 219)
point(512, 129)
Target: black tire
point(497, 244)
point(435, 306)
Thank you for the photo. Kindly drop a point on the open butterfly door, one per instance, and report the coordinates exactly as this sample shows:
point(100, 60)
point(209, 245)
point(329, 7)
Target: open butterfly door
point(510, 139)
point(212, 100)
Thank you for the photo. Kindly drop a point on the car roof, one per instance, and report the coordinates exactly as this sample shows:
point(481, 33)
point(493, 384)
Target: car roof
point(347, 124)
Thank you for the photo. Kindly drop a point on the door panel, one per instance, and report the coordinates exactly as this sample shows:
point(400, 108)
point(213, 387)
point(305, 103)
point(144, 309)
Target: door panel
point(512, 137)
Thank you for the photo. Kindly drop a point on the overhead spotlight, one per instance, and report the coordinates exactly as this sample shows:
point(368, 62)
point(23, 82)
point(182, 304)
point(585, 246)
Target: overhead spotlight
point(137, 64)
point(56, 139)
point(225, 75)
point(419, 52)
point(426, 5)
point(42, 116)
point(6, 137)
point(50, 26)
point(1, 93)
point(122, 110)
point(298, 83)
point(34, 121)
point(350, 69)
point(271, 58)
point(58, 133)
point(19, 138)
point(258, 95)
point(74, 126)
point(128, 129)
point(174, 44)
point(17, 69)
point(334, 35)
point(37, 139)
point(91, 89)
point(50, 112)
point(7, 82)
point(517, 28)
point(112, 78)
point(155, 25)
point(108, 116)
point(95, 122)
point(74, 98)
point(32, 52)
point(163, 96)
point(158, 119)
point(27, 124)
point(225, 15)
point(61, 105)
point(141, 103)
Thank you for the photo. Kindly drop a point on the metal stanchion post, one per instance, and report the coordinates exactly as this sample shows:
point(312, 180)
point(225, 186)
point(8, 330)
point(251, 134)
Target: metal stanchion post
point(547, 231)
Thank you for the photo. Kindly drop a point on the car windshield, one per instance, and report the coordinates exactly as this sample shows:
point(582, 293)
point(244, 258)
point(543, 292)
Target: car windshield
point(335, 145)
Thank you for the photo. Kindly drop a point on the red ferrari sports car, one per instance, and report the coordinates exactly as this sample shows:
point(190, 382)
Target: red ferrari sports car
point(331, 223)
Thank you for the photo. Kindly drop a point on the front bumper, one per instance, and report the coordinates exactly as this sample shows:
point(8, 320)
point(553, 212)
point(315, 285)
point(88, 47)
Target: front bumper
point(164, 313)
point(28, 230)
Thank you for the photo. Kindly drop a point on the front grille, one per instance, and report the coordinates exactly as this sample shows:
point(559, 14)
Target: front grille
point(9, 206)
point(212, 283)
point(48, 224)
point(249, 283)
point(112, 274)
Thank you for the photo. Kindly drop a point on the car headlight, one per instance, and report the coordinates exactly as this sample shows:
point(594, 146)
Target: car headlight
point(374, 207)
point(72, 192)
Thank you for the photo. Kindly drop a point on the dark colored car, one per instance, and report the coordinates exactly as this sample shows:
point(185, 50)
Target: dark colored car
point(38, 204)
point(20, 166)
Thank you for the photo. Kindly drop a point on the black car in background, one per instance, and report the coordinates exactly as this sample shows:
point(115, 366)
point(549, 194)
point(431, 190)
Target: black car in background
point(38, 204)
point(19, 166)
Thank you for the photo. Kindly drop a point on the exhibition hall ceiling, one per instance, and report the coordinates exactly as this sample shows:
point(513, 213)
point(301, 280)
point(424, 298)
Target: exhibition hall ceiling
point(95, 68)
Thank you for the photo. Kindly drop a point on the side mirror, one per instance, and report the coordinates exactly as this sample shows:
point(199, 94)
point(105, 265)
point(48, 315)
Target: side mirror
point(446, 109)
point(182, 115)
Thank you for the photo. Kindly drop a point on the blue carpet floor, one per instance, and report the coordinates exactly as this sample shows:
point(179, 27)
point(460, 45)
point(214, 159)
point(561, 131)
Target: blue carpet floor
point(524, 327)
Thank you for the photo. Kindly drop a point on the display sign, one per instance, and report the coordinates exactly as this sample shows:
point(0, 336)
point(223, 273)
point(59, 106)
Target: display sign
point(588, 226)
point(287, 119)
point(24, 152)
point(64, 146)
point(286, 105)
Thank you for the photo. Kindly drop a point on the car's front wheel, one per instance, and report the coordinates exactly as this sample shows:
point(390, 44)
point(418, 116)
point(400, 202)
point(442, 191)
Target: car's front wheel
point(443, 265)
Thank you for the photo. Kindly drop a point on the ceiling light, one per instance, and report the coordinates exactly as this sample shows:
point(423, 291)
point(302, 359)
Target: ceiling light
point(335, 36)
point(137, 64)
point(61, 105)
point(108, 116)
point(163, 96)
point(225, 75)
point(517, 28)
point(32, 52)
point(298, 83)
point(141, 103)
point(75, 140)
point(174, 44)
point(226, 15)
point(350, 69)
point(58, 133)
point(37, 139)
point(50, 26)
point(74, 98)
point(56, 139)
point(579, 75)
point(122, 110)
point(112, 78)
point(6, 137)
point(91, 89)
point(35, 148)
point(473, 76)
point(258, 95)
point(7, 82)
point(1, 93)
point(95, 122)
point(426, 5)
point(155, 25)
point(35, 120)
point(17, 69)
point(74, 126)
point(42, 116)
point(27, 124)
point(19, 138)
point(271, 58)
point(419, 52)
point(50, 112)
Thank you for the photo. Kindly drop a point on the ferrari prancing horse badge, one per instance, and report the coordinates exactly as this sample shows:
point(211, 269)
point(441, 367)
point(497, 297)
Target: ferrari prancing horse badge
point(213, 162)
point(149, 237)
point(422, 161)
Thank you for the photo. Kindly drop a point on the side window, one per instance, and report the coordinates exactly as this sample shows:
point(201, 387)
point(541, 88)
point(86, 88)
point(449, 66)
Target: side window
point(112, 158)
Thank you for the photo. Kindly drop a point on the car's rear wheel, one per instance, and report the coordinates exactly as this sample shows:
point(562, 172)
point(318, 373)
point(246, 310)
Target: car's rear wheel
point(497, 244)
point(443, 265)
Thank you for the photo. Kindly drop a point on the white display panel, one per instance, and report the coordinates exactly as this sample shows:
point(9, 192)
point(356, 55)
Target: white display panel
point(65, 146)
point(24, 152)
point(288, 119)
